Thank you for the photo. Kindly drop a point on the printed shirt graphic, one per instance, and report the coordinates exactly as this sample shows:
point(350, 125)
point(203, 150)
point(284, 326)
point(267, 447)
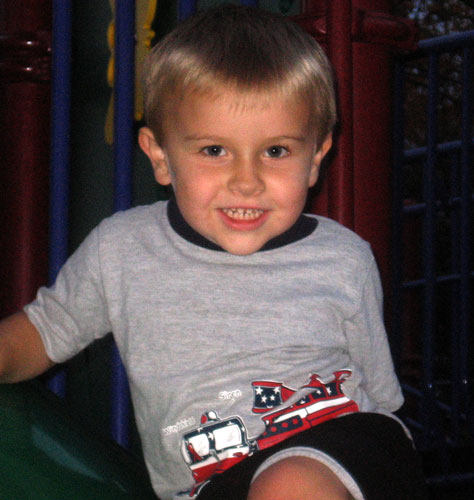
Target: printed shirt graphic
point(215, 446)
point(323, 401)
point(267, 395)
point(218, 444)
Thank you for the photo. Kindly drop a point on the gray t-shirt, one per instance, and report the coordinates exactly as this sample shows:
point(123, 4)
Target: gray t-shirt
point(225, 354)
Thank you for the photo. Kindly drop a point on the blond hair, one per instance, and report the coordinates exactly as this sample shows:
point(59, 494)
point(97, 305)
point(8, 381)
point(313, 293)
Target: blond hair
point(241, 49)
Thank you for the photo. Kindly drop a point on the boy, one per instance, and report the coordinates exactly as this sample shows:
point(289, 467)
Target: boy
point(259, 368)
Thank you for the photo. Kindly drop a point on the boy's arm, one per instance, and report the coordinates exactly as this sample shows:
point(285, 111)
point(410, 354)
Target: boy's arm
point(369, 348)
point(22, 352)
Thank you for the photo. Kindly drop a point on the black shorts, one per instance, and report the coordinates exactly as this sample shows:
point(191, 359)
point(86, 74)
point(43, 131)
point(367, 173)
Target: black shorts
point(368, 449)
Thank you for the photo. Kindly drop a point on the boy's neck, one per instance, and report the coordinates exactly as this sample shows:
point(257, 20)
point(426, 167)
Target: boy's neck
point(303, 227)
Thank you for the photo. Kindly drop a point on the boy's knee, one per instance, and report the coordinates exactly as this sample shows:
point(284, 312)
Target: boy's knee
point(298, 478)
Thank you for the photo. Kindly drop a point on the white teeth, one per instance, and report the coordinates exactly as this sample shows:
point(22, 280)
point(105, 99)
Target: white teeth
point(243, 213)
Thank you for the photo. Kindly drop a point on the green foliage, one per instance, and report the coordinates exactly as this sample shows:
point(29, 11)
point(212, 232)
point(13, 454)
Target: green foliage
point(434, 19)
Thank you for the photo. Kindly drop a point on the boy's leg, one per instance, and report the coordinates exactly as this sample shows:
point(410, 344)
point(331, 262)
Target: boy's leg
point(369, 453)
point(298, 478)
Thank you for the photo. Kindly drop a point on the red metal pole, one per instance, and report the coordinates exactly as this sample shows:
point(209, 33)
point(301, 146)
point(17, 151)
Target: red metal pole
point(341, 174)
point(24, 144)
point(359, 36)
point(372, 115)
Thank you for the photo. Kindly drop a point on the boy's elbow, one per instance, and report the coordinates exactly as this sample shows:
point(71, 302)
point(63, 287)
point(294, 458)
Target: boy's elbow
point(11, 373)
point(7, 370)
point(3, 371)
point(22, 353)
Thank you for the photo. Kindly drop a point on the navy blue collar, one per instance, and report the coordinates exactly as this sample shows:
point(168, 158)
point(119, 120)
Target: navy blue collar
point(303, 227)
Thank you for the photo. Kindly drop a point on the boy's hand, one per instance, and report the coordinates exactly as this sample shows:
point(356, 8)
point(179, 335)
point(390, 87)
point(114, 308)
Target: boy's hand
point(22, 353)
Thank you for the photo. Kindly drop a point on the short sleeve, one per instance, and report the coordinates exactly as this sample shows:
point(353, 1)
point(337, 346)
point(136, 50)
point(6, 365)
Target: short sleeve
point(369, 348)
point(73, 312)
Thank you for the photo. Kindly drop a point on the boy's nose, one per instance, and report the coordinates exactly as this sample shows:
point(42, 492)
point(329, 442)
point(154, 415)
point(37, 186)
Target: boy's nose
point(246, 179)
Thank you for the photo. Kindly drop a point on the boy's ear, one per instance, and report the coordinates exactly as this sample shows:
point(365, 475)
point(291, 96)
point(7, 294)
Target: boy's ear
point(318, 158)
point(156, 154)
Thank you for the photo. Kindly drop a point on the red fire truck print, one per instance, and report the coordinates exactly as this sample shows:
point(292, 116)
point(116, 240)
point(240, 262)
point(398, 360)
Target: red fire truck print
point(325, 402)
point(215, 446)
point(218, 444)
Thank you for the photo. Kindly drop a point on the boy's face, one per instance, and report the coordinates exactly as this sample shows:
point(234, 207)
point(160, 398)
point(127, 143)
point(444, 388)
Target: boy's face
point(240, 169)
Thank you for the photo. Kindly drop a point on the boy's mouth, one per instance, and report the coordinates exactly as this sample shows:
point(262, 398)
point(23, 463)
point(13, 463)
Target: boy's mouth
point(243, 213)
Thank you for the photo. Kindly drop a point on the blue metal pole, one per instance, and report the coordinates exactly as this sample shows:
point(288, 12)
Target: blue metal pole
point(186, 8)
point(123, 161)
point(60, 132)
point(454, 288)
point(428, 402)
point(444, 43)
point(466, 224)
point(397, 213)
point(124, 102)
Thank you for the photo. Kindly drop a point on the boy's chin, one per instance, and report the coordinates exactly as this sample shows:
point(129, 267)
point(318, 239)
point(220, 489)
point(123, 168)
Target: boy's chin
point(243, 252)
point(242, 248)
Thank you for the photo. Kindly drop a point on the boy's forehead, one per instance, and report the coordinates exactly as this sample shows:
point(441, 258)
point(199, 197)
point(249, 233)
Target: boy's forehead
point(204, 114)
point(236, 99)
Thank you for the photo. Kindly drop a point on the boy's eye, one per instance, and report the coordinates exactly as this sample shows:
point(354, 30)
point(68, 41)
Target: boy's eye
point(214, 150)
point(276, 152)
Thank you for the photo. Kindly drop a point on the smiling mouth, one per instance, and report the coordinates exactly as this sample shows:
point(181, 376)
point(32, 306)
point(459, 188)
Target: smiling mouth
point(243, 213)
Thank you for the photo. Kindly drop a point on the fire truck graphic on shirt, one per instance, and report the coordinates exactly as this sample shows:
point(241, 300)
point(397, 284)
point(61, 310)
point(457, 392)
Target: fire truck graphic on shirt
point(215, 446)
point(322, 402)
point(218, 444)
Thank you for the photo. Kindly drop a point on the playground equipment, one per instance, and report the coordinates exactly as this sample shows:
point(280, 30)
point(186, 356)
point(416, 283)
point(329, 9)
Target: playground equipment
point(46, 455)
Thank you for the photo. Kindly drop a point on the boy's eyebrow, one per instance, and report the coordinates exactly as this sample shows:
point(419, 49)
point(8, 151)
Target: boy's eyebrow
point(196, 137)
point(290, 137)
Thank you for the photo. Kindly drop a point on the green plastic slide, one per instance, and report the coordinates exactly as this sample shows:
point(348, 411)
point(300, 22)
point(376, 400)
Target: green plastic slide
point(46, 455)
